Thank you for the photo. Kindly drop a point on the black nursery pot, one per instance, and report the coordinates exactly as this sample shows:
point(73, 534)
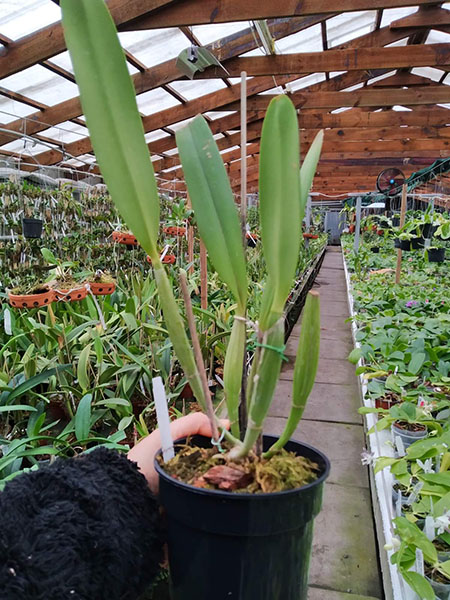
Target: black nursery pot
point(375, 249)
point(417, 242)
point(402, 244)
point(428, 230)
point(241, 546)
point(395, 221)
point(32, 228)
point(436, 255)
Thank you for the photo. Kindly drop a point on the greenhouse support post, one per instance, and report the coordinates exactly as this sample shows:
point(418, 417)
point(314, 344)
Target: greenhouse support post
point(402, 222)
point(358, 224)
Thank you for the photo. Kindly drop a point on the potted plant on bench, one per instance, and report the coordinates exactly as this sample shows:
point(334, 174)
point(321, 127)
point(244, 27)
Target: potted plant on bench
point(213, 543)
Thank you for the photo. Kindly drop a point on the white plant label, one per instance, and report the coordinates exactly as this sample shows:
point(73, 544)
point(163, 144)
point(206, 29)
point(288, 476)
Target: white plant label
point(429, 528)
point(398, 506)
point(162, 415)
point(415, 493)
point(419, 568)
point(399, 445)
point(7, 321)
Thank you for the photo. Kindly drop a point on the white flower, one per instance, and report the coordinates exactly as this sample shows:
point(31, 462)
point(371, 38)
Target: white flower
point(367, 458)
point(427, 466)
point(442, 523)
point(394, 544)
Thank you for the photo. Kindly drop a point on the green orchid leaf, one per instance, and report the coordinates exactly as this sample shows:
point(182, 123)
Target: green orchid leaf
point(214, 205)
point(108, 100)
point(279, 204)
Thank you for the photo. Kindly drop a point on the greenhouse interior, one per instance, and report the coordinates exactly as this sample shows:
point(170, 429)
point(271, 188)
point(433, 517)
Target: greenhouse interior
point(224, 300)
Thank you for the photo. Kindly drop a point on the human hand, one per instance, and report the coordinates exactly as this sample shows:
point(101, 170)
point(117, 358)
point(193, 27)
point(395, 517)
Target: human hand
point(144, 452)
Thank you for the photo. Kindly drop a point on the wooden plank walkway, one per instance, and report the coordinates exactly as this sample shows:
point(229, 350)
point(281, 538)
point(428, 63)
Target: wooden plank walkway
point(344, 563)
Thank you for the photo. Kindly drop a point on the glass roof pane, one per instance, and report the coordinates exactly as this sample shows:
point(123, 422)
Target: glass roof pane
point(401, 108)
point(24, 147)
point(63, 61)
point(402, 42)
point(155, 100)
point(41, 85)
point(179, 125)
point(199, 87)
point(155, 46)
point(66, 132)
point(10, 110)
point(20, 18)
point(218, 114)
point(309, 40)
point(393, 14)
point(438, 37)
point(381, 77)
point(155, 135)
point(347, 26)
point(429, 72)
point(206, 34)
point(304, 82)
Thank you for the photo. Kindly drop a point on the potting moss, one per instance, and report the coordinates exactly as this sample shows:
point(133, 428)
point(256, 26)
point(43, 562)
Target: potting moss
point(283, 471)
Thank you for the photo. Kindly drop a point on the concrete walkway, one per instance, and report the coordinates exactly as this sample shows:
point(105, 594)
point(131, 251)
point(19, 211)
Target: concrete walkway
point(344, 558)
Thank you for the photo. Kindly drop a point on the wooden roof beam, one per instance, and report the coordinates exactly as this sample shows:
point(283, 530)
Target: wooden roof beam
point(424, 19)
point(192, 12)
point(426, 55)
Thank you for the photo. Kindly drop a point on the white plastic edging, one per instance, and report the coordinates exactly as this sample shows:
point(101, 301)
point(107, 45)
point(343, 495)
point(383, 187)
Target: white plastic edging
point(380, 444)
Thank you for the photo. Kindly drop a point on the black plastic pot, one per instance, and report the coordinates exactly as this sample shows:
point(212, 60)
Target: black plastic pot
point(402, 244)
point(417, 242)
point(242, 546)
point(436, 255)
point(395, 221)
point(428, 230)
point(375, 249)
point(32, 228)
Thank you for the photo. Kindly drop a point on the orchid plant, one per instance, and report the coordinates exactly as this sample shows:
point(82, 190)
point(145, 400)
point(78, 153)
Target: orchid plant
point(109, 103)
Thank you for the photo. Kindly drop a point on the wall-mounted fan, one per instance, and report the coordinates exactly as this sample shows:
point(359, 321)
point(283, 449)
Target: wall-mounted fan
point(390, 181)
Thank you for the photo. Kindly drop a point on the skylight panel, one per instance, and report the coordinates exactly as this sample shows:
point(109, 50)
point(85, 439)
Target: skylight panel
point(402, 42)
point(63, 61)
point(158, 134)
point(394, 14)
point(219, 114)
point(199, 87)
point(428, 72)
point(10, 110)
point(155, 46)
point(206, 34)
point(348, 26)
point(41, 85)
point(305, 82)
point(66, 132)
point(438, 37)
point(155, 100)
point(308, 40)
point(20, 18)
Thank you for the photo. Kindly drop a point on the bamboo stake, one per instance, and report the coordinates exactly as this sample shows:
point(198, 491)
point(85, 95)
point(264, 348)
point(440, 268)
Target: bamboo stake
point(198, 355)
point(203, 276)
point(402, 222)
point(244, 152)
point(243, 401)
point(190, 238)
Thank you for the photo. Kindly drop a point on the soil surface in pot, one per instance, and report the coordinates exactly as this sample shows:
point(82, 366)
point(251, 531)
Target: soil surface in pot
point(207, 468)
point(410, 426)
point(436, 576)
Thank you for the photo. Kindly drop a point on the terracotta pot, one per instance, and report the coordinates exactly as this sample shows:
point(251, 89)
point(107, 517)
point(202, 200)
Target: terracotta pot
point(31, 300)
point(102, 289)
point(72, 295)
point(310, 236)
point(374, 227)
point(176, 231)
point(351, 228)
point(124, 238)
point(380, 232)
point(169, 259)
